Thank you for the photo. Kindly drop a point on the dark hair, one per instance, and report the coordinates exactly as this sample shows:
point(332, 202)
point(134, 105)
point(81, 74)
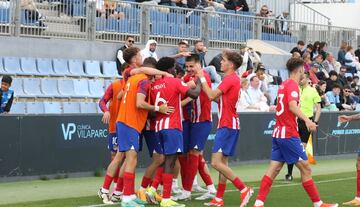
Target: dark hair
point(300, 42)
point(197, 41)
point(349, 79)
point(355, 77)
point(150, 62)
point(193, 57)
point(336, 86)
point(310, 46)
point(322, 45)
point(179, 70)
point(333, 72)
point(165, 64)
point(307, 74)
point(252, 78)
point(234, 57)
point(320, 83)
point(347, 87)
point(183, 43)
point(293, 63)
point(130, 36)
point(6, 79)
point(129, 53)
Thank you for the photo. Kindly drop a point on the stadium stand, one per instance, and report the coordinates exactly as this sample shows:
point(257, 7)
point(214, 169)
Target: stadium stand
point(61, 67)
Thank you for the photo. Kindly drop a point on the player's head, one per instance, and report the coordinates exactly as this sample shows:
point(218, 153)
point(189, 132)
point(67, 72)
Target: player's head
point(295, 66)
point(150, 62)
point(132, 56)
point(6, 82)
point(183, 46)
point(336, 89)
point(166, 64)
point(231, 61)
point(191, 63)
point(304, 81)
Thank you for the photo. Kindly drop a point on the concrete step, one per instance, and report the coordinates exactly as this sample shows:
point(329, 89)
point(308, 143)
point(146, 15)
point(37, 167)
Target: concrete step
point(49, 13)
point(62, 34)
point(63, 19)
point(61, 27)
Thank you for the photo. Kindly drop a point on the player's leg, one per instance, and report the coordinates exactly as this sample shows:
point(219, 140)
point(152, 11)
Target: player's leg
point(205, 175)
point(175, 184)
point(218, 200)
point(356, 200)
point(183, 158)
point(118, 192)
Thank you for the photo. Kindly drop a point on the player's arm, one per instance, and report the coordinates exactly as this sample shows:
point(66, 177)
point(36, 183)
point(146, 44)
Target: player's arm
point(294, 108)
point(186, 101)
point(9, 104)
point(212, 94)
point(194, 92)
point(344, 118)
point(149, 71)
point(102, 104)
point(317, 113)
point(143, 104)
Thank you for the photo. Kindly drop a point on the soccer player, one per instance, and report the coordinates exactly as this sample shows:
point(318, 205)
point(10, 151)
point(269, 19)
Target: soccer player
point(356, 200)
point(309, 98)
point(286, 144)
point(168, 126)
point(228, 132)
point(6, 95)
point(201, 124)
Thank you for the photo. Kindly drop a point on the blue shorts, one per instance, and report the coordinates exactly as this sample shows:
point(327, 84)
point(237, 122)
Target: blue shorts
point(288, 150)
point(171, 141)
point(199, 134)
point(359, 152)
point(186, 135)
point(112, 142)
point(153, 142)
point(128, 138)
point(225, 141)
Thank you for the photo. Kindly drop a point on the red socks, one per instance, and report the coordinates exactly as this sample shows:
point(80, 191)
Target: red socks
point(238, 184)
point(107, 182)
point(206, 177)
point(116, 175)
point(264, 190)
point(358, 184)
point(192, 168)
point(120, 184)
point(158, 177)
point(167, 181)
point(311, 190)
point(183, 168)
point(221, 190)
point(129, 184)
point(145, 182)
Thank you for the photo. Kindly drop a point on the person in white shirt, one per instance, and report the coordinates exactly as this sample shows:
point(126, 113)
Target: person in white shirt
point(350, 55)
point(251, 98)
point(149, 50)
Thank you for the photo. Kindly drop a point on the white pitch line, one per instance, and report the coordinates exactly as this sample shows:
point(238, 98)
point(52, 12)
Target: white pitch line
point(255, 188)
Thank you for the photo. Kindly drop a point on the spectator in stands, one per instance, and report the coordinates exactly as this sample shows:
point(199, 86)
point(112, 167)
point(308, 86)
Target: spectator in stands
point(309, 49)
point(167, 3)
point(355, 85)
point(32, 14)
point(342, 78)
point(180, 3)
point(248, 55)
point(150, 2)
point(331, 64)
point(149, 50)
point(296, 55)
point(6, 95)
point(216, 62)
point(120, 62)
point(107, 9)
point(357, 52)
point(315, 50)
point(334, 97)
point(267, 22)
point(321, 87)
point(282, 24)
point(342, 53)
point(333, 80)
point(348, 99)
point(299, 48)
point(252, 99)
point(235, 5)
point(307, 61)
point(312, 73)
point(181, 53)
point(323, 49)
point(322, 74)
point(350, 58)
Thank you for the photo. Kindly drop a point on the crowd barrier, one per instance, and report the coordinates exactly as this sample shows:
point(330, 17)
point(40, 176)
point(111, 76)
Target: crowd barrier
point(37, 145)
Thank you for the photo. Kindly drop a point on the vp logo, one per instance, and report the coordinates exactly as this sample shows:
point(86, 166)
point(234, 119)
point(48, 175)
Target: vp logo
point(68, 131)
point(344, 125)
point(271, 124)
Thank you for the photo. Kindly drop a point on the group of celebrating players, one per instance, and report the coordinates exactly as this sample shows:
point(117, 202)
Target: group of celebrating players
point(174, 117)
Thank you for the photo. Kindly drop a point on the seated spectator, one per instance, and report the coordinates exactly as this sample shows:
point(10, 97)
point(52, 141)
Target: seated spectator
point(323, 49)
point(347, 99)
point(167, 3)
point(299, 48)
point(149, 50)
point(120, 62)
point(322, 72)
point(333, 80)
point(357, 52)
point(321, 87)
point(282, 24)
point(334, 97)
point(331, 64)
point(267, 22)
point(250, 57)
point(252, 99)
point(315, 51)
point(6, 95)
point(236, 5)
point(312, 73)
point(307, 61)
point(351, 58)
point(263, 78)
point(32, 14)
point(342, 53)
point(342, 78)
point(107, 9)
point(181, 53)
point(296, 55)
point(309, 49)
point(355, 85)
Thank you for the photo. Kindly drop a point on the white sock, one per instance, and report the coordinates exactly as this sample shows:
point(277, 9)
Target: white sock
point(127, 199)
point(357, 198)
point(103, 190)
point(195, 181)
point(211, 188)
point(186, 192)
point(117, 193)
point(175, 183)
point(218, 199)
point(259, 203)
point(133, 197)
point(243, 190)
point(318, 204)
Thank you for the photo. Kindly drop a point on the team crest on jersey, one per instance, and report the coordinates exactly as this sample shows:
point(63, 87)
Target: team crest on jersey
point(294, 94)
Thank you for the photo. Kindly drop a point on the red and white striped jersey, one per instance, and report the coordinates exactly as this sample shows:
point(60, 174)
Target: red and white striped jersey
point(230, 87)
point(168, 90)
point(286, 122)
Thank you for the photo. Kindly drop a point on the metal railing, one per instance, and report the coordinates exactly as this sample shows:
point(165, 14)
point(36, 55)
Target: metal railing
point(77, 19)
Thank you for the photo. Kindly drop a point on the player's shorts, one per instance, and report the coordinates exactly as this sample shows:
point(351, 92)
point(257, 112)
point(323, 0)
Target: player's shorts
point(186, 135)
point(153, 142)
point(288, 150)
point(112, 142)
point(303, 131)
point(171, 141)
point(199, 134)
point(225, 141)
point(128, 138)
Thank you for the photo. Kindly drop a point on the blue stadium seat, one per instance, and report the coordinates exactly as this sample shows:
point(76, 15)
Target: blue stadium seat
point(2, 71)
point(49, 87)
point(109, 69)
point(81, 88)
point(28, 66)
point(52, 107)
point(107, 83)
point(32, 87)
point(78, 8)
point(92, 68)
point(35, 108)
point(4, 15)
point(45, 66)
point(71, 107)
point(96, 88)
point(12, 66)
point(61, 67)
point(284, 74)
point(18, 108)
point(100, 24)
point(88, 107)
point(17, 86)
point(76, 68)
point(273, 72)
point(66, 87)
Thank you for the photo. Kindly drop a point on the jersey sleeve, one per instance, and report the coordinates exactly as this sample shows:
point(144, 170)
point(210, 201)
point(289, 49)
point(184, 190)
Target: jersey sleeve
point(317, 98)
point(144, 87)
point(182, 87)
point(292, 92)
point(106, 98)
point(225, 85)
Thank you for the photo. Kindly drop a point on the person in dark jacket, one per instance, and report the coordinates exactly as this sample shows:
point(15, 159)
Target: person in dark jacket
point(6, 95)
point(299, 48)
point(120, 62)
point(341, 54)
